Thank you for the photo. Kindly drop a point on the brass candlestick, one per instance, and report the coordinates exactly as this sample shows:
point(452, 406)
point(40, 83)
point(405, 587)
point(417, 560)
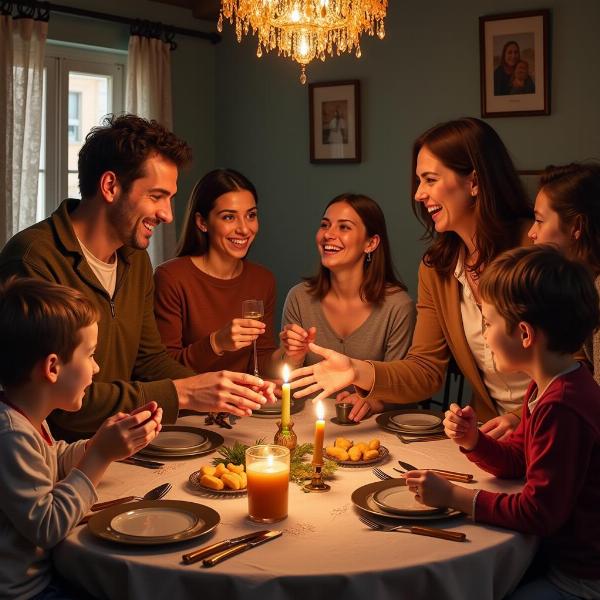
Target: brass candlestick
point(285, 435)
point(316, 483)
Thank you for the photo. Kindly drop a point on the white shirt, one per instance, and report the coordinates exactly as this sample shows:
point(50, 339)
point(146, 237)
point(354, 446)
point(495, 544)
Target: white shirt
point(105, 272)
point(507, 390)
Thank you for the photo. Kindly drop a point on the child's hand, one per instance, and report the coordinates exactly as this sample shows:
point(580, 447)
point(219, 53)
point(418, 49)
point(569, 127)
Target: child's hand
point(500, 428)
point(429, 488)
point(122, 435)
point(460, 425)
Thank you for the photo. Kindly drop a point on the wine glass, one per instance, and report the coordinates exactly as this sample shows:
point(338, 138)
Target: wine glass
point(253, 309)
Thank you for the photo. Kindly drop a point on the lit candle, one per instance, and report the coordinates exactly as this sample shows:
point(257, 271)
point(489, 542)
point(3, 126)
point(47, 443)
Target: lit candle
point(319, 435)
point(268, 472)
point(285, 398)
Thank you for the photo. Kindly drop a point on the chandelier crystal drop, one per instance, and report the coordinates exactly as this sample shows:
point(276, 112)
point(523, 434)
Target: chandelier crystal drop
point(305, 29)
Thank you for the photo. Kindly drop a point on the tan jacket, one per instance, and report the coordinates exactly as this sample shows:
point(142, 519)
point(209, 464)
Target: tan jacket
point(439, 332)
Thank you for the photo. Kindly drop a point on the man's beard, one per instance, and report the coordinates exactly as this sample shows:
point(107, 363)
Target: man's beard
point(120, 218)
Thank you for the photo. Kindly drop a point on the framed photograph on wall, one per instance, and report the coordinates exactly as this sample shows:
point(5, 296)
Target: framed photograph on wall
point(334, 113)
point(514, 64)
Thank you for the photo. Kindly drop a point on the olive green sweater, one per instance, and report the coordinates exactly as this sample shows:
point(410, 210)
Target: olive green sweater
point(134, 365)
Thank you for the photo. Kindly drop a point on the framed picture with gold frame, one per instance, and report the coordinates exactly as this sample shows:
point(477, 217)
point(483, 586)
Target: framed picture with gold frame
point(334, 113)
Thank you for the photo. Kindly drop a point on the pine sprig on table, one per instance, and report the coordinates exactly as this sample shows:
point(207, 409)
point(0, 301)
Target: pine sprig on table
point(300, 468)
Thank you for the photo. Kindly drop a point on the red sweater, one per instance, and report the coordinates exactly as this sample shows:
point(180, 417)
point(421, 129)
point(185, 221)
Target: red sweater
point(557, 449)
point(189, 305)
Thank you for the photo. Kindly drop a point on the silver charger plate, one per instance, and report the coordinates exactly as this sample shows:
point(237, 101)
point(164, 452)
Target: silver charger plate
point(178, 438)
point(417, 421)
point(213, 441)
point(363, 498)
point(152, 522)
point(384, 420)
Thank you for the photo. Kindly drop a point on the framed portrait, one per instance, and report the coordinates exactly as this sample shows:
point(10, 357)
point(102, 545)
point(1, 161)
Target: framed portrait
point(334, 113)
point(514, 64)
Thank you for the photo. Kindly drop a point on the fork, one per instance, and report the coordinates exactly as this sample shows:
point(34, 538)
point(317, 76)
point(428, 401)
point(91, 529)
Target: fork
point(381, 474)
point(445, 534)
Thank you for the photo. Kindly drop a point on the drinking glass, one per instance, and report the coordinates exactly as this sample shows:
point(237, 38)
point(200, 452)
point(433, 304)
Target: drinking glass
point(253, 309)
point(268, 473)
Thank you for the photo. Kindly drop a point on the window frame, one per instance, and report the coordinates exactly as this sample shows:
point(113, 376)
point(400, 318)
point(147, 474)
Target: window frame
point(60, 60)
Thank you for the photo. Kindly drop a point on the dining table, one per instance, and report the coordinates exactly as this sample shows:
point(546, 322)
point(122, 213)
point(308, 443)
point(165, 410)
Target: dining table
point(325, 551)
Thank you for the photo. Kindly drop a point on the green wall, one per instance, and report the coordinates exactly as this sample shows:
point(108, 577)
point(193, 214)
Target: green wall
point(251, 114)
point(425, 70)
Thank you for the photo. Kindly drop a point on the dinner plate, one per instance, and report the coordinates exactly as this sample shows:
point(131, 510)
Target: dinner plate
point(363, 498)
point(274, 410)
point(213, 441)
point(416, 421)
point(401, 501)
point(151, 522)
point(383, 452)
point(195, 484)
point(387, 421)
point(178, 438)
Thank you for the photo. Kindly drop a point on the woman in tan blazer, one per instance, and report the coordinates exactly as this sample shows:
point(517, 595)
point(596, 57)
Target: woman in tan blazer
point(473, 205)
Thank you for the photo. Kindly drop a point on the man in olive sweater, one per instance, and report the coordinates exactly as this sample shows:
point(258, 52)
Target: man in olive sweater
point(127, 176)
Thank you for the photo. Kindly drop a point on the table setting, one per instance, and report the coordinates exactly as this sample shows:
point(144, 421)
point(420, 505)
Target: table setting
point(282, 531)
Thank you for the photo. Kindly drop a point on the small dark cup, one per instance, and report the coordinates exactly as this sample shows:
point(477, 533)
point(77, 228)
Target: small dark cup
point(342, 411)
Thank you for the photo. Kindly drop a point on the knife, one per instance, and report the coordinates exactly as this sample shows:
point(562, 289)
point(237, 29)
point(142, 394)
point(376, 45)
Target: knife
point(217, 558)
point(451, 475)
point(200, 553)
point(142, 462)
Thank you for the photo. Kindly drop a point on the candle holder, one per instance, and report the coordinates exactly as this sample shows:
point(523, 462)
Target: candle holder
point(316, 483)
point(285, 435)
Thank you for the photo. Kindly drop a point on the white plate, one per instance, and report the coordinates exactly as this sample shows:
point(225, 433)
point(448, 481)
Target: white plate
point(417, 422)
point(400, 500)
point(153, 522)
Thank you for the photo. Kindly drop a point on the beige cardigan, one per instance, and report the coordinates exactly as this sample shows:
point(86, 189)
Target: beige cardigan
point(439, 332)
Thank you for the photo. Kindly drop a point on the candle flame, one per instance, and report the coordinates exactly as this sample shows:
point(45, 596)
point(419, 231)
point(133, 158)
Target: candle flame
point(286, 373)
point(320, 411)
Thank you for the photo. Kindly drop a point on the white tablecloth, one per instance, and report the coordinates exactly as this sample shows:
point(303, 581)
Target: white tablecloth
point(325, 551)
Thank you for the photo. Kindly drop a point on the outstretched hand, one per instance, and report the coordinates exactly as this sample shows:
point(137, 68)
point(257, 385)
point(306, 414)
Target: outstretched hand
point(328, 376)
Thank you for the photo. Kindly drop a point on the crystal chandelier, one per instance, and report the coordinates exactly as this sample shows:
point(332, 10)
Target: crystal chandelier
point(305, 29)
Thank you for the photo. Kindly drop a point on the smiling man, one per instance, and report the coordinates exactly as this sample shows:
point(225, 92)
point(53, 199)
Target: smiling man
point(128, 171)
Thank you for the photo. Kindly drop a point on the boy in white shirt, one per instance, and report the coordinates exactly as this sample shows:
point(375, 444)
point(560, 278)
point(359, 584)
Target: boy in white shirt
point(49, 334)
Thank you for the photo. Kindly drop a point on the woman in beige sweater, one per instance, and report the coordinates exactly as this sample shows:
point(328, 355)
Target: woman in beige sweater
point(567, 215)
point(473, 205)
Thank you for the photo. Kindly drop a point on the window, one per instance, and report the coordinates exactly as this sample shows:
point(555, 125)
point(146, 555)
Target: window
point(74, 129)
point(81, 86)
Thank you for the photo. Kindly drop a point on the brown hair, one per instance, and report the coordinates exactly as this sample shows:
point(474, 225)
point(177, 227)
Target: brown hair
point(465, 146)
point(505, 49)
point(123, 144)
point(194, 242)
point(39, 318)
point(539, 285)
point(574, 193)
point(379, 276)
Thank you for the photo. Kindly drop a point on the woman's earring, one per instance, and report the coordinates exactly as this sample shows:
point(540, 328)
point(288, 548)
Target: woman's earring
point(368, 257)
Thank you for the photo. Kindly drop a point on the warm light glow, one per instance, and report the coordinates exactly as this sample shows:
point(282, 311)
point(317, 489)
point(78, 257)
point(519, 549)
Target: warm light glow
point(320, 411)
point(286, 373)
point(270, 461)
point(305, 29)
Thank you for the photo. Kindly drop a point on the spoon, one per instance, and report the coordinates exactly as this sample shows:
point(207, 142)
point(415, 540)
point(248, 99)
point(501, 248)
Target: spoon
point(154, 494)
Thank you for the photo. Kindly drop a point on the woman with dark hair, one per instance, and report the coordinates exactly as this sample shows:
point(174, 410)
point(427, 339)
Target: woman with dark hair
point(473, 205)
point(567, 215)
point(199, 294)
point(355, 303)
point(503, 74)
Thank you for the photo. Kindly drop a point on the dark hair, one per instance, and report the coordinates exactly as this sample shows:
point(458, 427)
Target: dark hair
point(122, 144)
point(574, 193)
point(505, 48)
point(379, 276)
point(539, 285)
point(202, 200)
point(39, 318)
point(465, 146)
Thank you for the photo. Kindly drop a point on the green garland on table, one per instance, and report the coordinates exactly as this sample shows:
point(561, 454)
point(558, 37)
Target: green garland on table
point(300, 468)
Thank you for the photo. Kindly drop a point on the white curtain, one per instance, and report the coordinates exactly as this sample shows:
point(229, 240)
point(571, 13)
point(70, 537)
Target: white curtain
point(22, 43)
point(148, 95)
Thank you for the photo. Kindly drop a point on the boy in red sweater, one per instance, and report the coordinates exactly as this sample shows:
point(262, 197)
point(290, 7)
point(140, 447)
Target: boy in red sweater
point(538, 308)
